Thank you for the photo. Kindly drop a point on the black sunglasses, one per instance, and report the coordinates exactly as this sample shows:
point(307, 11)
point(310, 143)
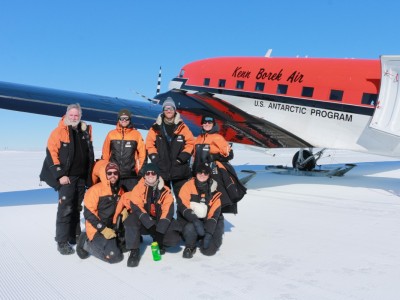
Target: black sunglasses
point(203, 172)
point(124, 119)
point(151, 173)
point(112, 173)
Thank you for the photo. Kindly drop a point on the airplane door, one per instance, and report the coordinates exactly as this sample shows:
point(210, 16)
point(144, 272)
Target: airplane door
point(386, 117)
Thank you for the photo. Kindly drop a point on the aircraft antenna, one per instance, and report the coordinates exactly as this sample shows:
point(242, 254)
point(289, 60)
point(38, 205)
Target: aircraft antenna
point(268, 54)
point(159, 82)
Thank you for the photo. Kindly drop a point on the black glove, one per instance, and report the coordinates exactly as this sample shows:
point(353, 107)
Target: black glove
point(207, 240)
point(198, 225)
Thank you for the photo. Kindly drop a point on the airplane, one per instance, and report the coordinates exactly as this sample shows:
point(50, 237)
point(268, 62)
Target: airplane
point(269, 102)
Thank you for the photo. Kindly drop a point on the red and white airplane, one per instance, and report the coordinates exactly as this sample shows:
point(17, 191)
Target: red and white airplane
point(263, 101)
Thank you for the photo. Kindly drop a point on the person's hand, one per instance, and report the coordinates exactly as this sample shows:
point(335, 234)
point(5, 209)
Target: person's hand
point(108, 233)
point(64, 180)
point(198, 225)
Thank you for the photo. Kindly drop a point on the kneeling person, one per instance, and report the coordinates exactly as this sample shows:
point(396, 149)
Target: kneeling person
point(152, 206)
point(199, 212)
point(100, 213)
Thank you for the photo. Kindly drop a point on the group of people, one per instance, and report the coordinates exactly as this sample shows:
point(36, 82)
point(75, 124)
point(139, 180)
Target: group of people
point(137, 187)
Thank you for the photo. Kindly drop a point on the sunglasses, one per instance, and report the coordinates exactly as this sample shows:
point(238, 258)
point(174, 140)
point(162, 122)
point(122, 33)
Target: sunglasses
point(168, 109)
point(203, 172)
point(124, 119)
point(150, 173)
point(208, 122)
point(112, 173)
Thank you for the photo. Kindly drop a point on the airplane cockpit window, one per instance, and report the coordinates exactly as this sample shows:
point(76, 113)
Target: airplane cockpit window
point(369, 99)
point(259, 86)
point(282, 89)
point(307, 91)
point(240, 84)
point(221, 83)
point(206, 82)
point(336, 95)
point(181, 73)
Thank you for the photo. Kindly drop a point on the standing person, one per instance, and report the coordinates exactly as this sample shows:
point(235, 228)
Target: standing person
point(212, 148)
point(152, 207)
point(199, 212)
point(100, 238)
point(67, 168)
point(125, 147)
point(169, 144)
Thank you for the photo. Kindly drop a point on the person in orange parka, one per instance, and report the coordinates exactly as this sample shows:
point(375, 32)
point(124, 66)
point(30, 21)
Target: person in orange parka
point(101, 201)
point(169, 144)
point(199, 213)
point(66, 168)
point(152, 211)
point(212, 148)
point(125, 147)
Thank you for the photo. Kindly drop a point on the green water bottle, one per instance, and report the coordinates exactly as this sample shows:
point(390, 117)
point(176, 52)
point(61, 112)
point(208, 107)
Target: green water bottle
point(155, 250)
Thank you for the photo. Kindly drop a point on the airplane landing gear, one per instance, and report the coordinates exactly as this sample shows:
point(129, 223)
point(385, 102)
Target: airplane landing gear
point(305, 160)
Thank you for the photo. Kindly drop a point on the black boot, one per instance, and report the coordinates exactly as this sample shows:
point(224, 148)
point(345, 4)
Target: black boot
point(64, 248)
point(82, 253)
point(134, 257)
point(188, 252)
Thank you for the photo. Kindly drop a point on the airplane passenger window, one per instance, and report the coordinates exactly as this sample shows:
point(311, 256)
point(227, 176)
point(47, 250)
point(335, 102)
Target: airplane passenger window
point(221, 83)
point(259, 86)
point(370, 99)
point(282, 89)
point(307, 91)
point(206, 81)
point(336, 95)
point(240, 84)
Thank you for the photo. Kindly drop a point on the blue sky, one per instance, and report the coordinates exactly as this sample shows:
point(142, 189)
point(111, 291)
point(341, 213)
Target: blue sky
point(114, 48)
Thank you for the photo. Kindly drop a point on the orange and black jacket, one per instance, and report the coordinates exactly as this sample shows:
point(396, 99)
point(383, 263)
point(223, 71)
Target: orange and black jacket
point(171, 154)
point(60, 153)
point(152, 205)
point(125, 147)
point(211, 146)
point(100, 206)
point(189, 194)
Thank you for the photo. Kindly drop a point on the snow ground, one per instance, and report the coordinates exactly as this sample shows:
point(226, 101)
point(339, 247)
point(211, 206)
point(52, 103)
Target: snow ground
point(295, 237)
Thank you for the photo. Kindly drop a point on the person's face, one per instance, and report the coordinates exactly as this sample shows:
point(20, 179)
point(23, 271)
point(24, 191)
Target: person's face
point(112, 175)
point(150, 177)
point(74, 117)
point(207, 125)
point(202, 176)
point(124, 121)
point(169, 112)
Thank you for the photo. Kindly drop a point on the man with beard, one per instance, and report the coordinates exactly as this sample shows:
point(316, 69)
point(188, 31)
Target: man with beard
point(101, 200)
point(67, 166)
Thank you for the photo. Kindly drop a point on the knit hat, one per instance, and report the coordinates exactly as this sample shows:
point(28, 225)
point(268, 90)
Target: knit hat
point(207, 118)
point(124, 112)
point(203, 167)
point(151, 167)
point(112, 166)
point(169, 102)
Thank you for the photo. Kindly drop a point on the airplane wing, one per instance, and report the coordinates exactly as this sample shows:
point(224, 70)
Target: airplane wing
point(95, 108)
